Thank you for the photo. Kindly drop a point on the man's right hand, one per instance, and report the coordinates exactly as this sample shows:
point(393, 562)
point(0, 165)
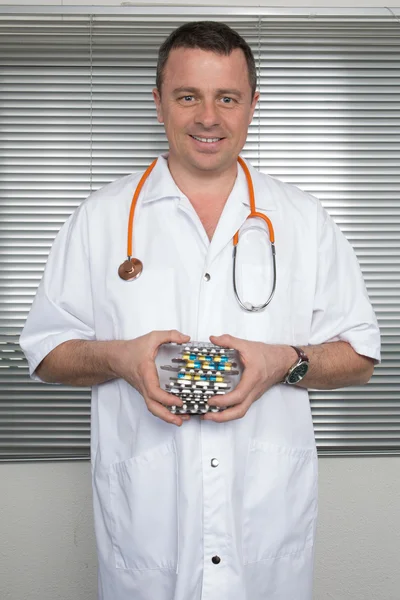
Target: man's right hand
point(91, 362)
point(134, 361)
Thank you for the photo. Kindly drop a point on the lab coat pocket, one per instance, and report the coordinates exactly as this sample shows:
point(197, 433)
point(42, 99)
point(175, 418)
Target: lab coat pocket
point(280, 501)
point(254, 272)
point(254, 284)
point(274, 324)
point(146, 304)
point(144, 510)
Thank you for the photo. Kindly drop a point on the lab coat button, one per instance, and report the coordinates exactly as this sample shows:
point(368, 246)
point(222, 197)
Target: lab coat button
point(216, 560)
point(207, 276)
point(214, 462)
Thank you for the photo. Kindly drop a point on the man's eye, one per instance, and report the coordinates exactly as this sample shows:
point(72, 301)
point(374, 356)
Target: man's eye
point(227, 100)
point(187, 98)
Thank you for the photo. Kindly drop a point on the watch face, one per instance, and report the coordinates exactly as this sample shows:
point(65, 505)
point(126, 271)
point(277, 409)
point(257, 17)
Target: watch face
point(298, 373)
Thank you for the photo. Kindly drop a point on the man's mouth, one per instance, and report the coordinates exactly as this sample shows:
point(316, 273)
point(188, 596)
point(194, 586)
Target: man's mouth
point(208, 140)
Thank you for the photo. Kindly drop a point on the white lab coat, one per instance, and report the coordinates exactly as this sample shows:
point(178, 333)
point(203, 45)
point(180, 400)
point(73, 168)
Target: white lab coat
point(161, 510)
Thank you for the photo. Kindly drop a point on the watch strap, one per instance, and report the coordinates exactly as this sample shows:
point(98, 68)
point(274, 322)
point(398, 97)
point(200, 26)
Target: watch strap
point(301, 354)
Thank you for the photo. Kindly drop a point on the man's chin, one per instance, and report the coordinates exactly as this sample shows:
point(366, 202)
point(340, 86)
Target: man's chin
point(208, 161)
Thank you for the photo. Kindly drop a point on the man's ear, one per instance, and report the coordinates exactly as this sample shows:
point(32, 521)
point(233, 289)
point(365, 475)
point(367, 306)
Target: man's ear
point(157, 101)
point(256, 98)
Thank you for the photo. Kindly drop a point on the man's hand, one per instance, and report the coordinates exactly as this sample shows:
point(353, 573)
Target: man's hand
point(264, 366)
point(134, 362)
point(332, 365)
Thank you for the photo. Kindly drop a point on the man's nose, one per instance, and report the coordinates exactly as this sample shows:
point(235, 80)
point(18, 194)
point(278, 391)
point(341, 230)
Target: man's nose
point(207, 114)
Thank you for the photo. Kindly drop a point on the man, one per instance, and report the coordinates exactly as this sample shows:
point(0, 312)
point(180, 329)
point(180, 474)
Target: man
point(222, 507)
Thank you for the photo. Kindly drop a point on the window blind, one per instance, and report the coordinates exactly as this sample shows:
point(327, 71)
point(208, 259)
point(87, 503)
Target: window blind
point(77, 112)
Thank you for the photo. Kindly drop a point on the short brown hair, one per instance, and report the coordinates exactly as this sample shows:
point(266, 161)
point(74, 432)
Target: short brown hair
point(206, 35)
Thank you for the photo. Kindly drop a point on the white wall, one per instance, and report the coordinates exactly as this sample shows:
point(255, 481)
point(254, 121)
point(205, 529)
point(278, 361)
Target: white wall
point(47, 549)
point(239, 3)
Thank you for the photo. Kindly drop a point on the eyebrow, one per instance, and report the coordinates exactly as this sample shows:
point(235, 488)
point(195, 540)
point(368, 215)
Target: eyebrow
point(220, 92)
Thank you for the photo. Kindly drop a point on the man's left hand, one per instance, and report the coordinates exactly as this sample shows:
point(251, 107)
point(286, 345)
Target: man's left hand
point(264, 365)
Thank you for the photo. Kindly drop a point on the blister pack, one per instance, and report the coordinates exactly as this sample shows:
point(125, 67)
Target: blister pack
point(195, 372)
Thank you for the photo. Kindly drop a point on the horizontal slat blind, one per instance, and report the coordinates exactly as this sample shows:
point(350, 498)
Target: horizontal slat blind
point(45, 173)
point(77, 113)
point(330, 123)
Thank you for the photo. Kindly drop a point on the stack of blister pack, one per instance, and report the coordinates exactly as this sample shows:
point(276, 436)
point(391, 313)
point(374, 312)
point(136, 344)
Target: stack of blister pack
point(197, 371)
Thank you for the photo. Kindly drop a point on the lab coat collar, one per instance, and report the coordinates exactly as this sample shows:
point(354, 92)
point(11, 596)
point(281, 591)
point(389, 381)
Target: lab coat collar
point(161, 185)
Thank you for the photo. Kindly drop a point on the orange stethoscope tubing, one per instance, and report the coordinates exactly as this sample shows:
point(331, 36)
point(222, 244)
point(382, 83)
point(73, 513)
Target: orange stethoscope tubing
point(134, 202)
point(253, 214)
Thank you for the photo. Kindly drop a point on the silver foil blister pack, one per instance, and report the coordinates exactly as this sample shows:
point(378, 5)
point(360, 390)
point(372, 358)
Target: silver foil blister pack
point(195, 372)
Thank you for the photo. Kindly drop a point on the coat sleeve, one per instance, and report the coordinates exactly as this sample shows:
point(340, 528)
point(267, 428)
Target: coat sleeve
point(342, 309)
point(62, 309)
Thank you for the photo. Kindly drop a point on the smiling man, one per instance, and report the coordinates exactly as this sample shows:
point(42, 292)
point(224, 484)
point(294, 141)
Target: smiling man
point(207, 124)
point(223, 506)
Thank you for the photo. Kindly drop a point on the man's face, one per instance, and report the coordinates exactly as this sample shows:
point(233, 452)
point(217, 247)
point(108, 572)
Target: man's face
point(206, 107)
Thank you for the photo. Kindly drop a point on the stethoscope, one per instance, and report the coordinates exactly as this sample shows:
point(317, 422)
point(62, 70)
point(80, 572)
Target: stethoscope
point(131, 268)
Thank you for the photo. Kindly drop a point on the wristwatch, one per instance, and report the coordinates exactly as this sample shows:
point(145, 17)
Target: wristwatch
point(299, 369)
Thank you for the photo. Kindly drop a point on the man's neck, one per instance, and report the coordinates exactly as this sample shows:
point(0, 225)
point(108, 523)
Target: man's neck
point(207, 191)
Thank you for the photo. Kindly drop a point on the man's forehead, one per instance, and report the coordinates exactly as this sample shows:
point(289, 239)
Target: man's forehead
point(236, 53)
point(184, 61)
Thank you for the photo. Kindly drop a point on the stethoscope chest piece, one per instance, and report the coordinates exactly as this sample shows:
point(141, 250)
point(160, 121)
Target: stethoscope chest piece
point(130, 269)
